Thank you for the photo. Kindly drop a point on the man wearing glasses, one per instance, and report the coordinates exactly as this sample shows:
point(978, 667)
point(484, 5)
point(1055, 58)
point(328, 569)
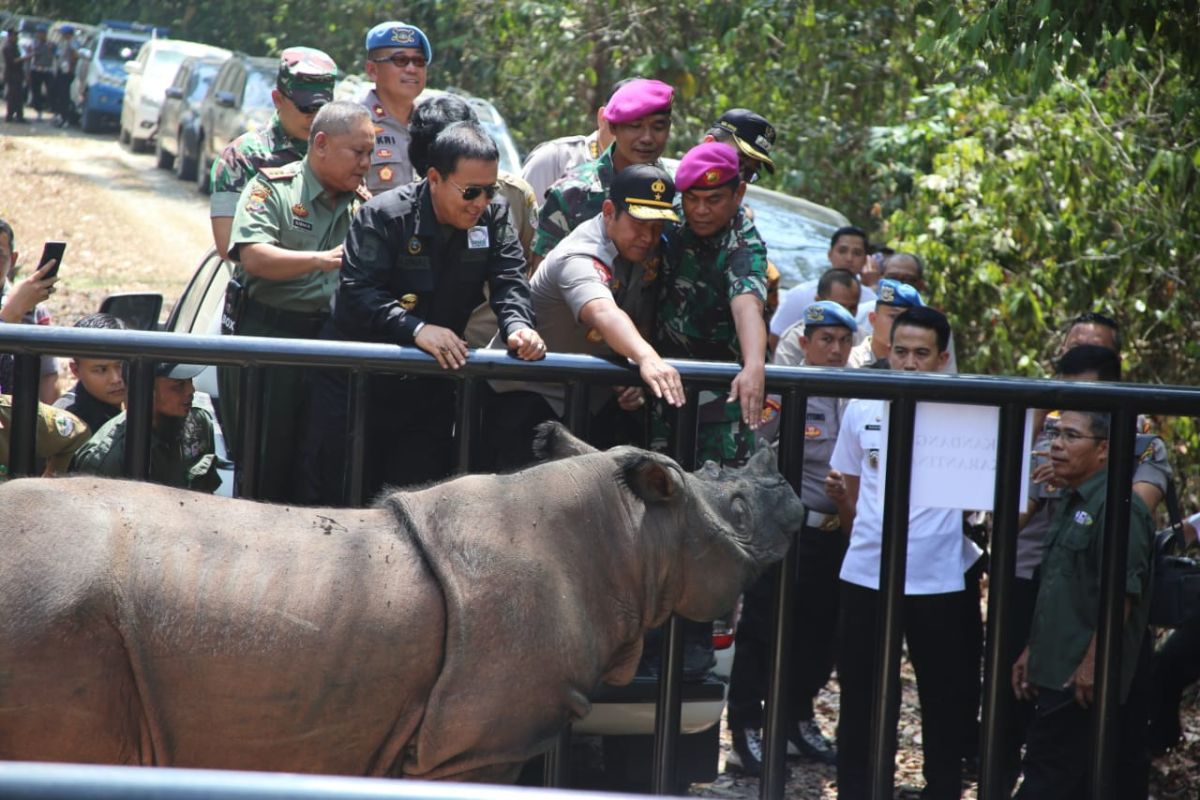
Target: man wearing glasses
point(415, 266)
point(397, 57)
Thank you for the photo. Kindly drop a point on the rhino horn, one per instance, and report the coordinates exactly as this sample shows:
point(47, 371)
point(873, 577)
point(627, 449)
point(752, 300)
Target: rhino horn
point(654, 478)
point(765, 460)
point(553, 441)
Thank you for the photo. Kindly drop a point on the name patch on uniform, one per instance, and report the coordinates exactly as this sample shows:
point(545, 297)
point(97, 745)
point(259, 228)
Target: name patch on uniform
point(302, 224)
point(477, 237)
point(1083, 518)
point(816, 416)
point(385, 138)
point(874, 427)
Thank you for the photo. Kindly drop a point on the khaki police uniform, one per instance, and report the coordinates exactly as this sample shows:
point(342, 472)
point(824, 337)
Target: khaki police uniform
point(390, 166)
point(286, 207)
point(552, 160)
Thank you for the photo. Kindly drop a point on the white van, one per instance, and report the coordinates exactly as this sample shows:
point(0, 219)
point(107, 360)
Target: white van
point(149, 76)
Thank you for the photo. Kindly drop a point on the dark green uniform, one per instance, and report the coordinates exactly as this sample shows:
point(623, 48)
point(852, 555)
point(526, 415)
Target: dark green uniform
point(695, 320)
point(182, 452)
point(573, 200)
point(283, 207)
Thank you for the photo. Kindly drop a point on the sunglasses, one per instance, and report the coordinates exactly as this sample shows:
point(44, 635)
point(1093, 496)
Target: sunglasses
point(402, 60)
point(472, 192)
point(309, 108)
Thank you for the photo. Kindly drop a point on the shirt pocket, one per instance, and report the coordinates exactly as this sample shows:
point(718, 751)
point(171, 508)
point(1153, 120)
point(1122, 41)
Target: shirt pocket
point(412, 274)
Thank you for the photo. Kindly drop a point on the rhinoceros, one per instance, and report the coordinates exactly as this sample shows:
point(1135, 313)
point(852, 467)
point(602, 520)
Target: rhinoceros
point(447, 632)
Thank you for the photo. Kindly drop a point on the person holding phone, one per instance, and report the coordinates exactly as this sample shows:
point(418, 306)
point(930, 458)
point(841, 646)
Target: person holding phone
point(21, 302)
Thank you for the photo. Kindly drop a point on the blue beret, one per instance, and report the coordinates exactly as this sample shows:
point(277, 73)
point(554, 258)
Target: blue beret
point(399, 34)
point(826, 313)
point(896, 293)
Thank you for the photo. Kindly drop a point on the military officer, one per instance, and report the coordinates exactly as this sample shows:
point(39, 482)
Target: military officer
point(638, 116)
point(398, 55)
point(287, 236)
point(713, 294)
point(304, 84)
point(182, 439)
point(58, 436)
point(416, 263)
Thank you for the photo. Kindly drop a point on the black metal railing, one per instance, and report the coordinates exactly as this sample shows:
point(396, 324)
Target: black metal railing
point(1013, 397)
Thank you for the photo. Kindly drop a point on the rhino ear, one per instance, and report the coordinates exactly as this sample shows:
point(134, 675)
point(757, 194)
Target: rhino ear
point(654, 478)
point(553, 441)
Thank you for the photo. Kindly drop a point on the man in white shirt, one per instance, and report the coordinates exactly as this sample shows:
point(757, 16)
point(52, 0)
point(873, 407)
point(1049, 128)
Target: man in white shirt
point(847, 250)
point(941, 599)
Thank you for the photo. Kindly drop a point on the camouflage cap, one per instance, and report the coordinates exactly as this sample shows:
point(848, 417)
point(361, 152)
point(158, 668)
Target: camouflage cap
point(306, 77)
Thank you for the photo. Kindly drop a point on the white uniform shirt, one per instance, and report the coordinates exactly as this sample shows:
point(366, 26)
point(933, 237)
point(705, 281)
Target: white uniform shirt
point(799, 297)
point(865, 329)
point(938, 552)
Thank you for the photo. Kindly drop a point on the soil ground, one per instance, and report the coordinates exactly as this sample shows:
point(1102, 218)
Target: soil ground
point(131, 227)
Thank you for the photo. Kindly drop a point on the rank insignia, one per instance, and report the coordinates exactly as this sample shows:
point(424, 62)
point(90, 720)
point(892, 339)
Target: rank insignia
point(414, 246)
point(658, 187)
point(811, 431)
point(299, 210)
point(408, 302)
point(873, 458)
point(1083, 518)
point(383, 152)
point(594, 336)
point(378, 109)
point(385, 173)
point(712, 176)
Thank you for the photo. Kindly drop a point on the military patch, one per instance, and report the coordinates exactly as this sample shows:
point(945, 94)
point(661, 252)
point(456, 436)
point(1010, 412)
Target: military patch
point(712, 176)
point(403, 35)
point(385, 173)
point(383, 152)
point(594, 336)
point(378, 109)
point(64, 424)
point(414, 246)
point(477, 237)
point(811, 431)
point(650, 270)
point(1083, 518)
point(260, 191)
point(299, 210)
point(873, 457)
point(887, 294)
point(814, 313)
point(302, 224)
point(658, 187)
point(255, 207)
point(602, 270)
point(770, 410)
point(408, 302)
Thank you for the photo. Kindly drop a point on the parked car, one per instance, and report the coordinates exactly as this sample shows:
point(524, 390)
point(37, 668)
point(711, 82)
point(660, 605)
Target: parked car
point(99, 87)
point(149, 76)
point(178, 128)
point(238, 101)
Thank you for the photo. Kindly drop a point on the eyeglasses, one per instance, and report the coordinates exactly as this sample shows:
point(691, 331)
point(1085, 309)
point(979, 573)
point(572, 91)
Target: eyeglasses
point(309, 108)
point(401, 60)
point(472, 192)
point(1070, 436)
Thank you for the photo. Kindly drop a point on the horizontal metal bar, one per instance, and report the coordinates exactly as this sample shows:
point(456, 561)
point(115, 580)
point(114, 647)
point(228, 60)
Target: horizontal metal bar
point(25, 781)
point(558, 368)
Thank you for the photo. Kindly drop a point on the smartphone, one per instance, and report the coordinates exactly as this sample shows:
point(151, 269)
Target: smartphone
point(52, 251)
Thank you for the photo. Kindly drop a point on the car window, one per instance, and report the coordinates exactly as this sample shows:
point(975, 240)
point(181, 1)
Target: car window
point(160, 72)
point(196, 300)
point(224, 79)
point(115, 48)
point(258, 91)
point(202, 78)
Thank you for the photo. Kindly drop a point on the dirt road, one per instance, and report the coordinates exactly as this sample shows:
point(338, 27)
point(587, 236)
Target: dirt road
point(128, 226)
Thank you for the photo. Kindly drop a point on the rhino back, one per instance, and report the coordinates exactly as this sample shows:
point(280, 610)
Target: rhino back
point(211, 632)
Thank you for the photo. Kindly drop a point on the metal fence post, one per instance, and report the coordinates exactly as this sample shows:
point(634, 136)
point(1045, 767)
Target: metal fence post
point(139, 418)
point(1011, 448)
point(27, 375)
point(469, 392)
point(890, 613)
point(251, 385)
point(360, 386)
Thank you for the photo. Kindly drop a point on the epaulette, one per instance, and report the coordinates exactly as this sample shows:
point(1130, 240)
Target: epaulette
point(278, 173)
point(363, 193)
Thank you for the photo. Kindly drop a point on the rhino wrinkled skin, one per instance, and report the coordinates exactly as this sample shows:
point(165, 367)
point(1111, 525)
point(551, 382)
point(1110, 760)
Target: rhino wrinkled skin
point(449, 632)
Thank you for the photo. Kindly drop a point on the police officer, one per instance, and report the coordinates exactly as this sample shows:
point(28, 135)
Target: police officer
point(893, 300)
point(638, 116)
point(714, 290)
point(416, 262)
point(287, 236)
point(596, 293)
point(753, 137)
point(304, 84)
point(398, 55)
point(182, 441)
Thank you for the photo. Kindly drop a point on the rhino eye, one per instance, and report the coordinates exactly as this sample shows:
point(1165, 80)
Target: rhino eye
point(740, 514)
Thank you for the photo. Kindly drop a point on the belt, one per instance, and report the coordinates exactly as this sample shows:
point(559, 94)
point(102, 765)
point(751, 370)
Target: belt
point(824, 522)
point(282, 318)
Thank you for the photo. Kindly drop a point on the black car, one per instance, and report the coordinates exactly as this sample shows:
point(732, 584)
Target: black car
point(239, 100)
point(179, 120)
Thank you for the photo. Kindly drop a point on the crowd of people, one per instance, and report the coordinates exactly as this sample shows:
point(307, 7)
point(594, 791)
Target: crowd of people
point(39, 76)
point(389, 221)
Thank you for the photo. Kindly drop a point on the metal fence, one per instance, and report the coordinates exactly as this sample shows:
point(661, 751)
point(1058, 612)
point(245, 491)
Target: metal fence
point(904, 390)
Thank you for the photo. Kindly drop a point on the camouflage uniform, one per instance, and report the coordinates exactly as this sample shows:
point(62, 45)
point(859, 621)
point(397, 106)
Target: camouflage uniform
point(695, 320)
point(575, 199)
point(245, 157)
point(57, 436)
point(182, 452)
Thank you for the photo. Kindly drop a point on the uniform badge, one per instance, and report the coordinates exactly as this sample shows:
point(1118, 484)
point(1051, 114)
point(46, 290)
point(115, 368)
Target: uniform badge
point(383, 152)
point(594, 336)
point(658, 187)
point(650, 270)
point(477, 237)
point(770, 410)
point(602, 270)
point(887, 294)
point(260, 191)
point(873, 458)
point(403, 36)
point(64, 425)
point(299, 210)
point(814, 313)
point(712, 176)
point(255, 207)
point(811, 431)
point(414, 246)
point(378, 109)
point(1083, 518)
point(302, 224)
point(408, 302)
point(615, 285)
point(385, 173)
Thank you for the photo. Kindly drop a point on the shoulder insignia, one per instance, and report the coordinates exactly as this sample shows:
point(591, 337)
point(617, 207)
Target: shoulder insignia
point(363, 193)
point(277, 173)
point(64, 425)
point(260, 190)
point(602, 270)
point(385, 173)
